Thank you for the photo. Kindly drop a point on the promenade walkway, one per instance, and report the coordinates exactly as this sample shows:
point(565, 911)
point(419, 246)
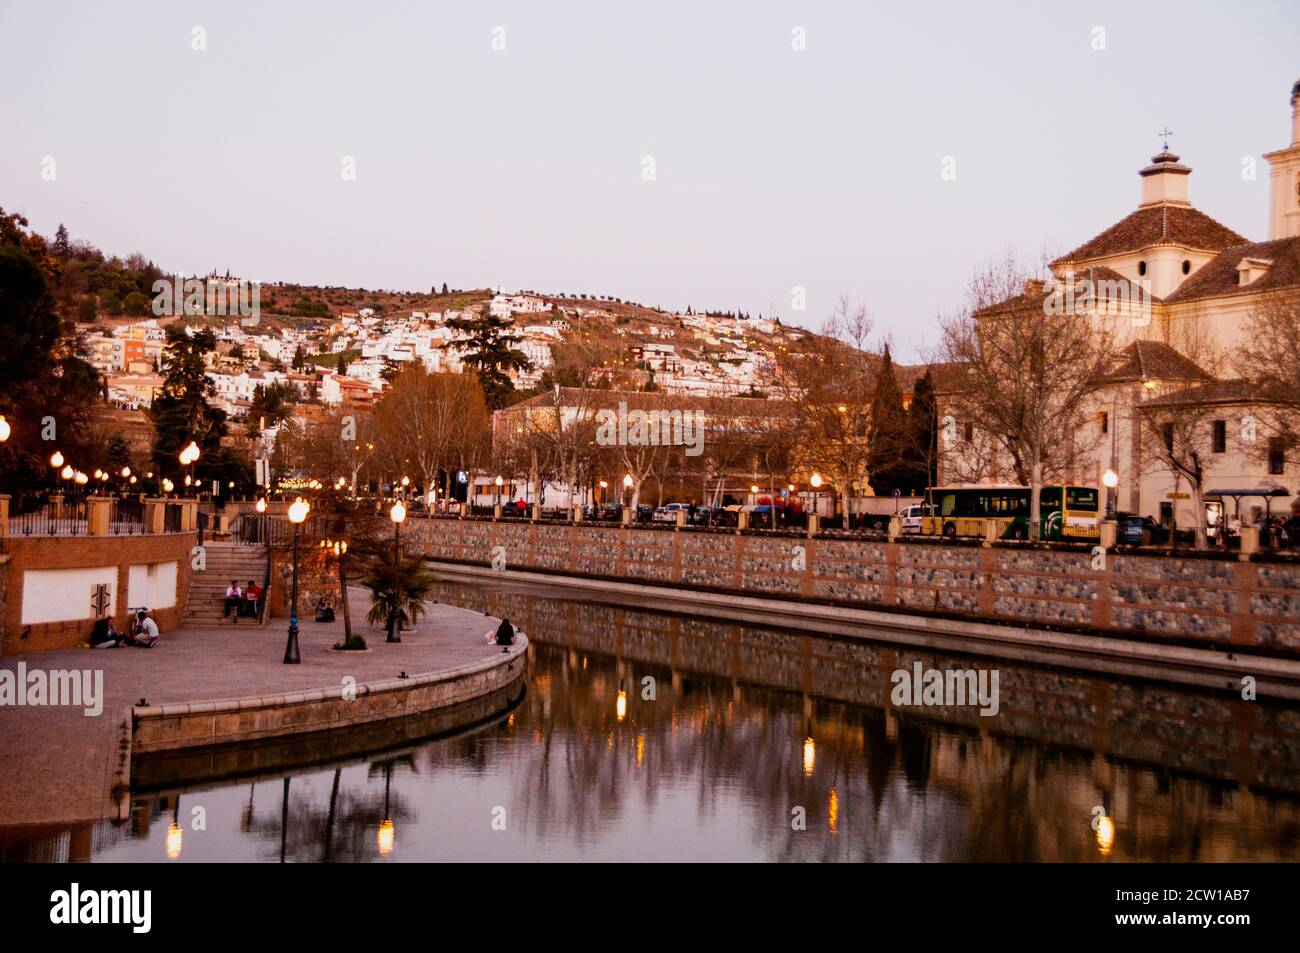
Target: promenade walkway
point(57, 765)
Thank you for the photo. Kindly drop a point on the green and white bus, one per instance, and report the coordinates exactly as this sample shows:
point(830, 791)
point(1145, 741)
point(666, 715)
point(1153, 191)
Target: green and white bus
point(1067, 512)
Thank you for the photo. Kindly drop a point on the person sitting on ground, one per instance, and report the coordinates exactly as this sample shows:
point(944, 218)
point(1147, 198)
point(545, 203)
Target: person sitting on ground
point(103, 635)
point(324, 611)
point(505, 633)
point(252, 597)
point(234, 600)
point(145, 632)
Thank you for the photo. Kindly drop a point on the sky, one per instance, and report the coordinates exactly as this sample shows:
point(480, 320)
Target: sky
point(718, 155)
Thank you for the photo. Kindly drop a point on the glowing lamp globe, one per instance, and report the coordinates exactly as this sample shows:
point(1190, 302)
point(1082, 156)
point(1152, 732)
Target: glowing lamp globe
point(1111, 479)
point(298, 510)
point(398, 512)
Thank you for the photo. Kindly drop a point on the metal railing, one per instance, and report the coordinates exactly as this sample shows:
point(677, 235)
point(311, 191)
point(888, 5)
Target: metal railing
point(68, 518)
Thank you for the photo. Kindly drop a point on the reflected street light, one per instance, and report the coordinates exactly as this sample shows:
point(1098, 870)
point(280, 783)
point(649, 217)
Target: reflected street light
point(4, 429)
point(298, 511)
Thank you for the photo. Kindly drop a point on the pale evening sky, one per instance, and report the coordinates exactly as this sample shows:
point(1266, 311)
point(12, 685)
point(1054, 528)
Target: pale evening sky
point(523, 166)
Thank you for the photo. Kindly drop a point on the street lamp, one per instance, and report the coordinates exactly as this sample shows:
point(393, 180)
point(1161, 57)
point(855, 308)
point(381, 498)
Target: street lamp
point(298, 511)
point(187, 457)
point(4, 429)
point(1111, 480)
point(397, 514)
point(816, 482)
point(498, 481)
point(260, 506)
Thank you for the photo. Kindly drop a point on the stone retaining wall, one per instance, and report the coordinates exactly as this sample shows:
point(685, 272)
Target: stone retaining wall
point(1192, 597)
point(207, 724)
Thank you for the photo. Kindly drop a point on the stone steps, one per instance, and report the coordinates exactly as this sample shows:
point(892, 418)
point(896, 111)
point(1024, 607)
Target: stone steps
point(223, 562)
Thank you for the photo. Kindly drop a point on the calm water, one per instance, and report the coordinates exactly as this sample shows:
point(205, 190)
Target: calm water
point(749, 729)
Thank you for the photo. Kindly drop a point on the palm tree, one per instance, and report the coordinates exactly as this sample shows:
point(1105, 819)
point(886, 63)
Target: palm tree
point(399, 588)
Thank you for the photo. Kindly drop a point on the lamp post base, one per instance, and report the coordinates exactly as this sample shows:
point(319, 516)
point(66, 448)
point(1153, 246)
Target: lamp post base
point(291, 656)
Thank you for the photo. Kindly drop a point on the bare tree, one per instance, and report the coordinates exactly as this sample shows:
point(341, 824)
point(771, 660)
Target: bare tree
point(1268, 356)
point(829, 382)
point(1025, 369)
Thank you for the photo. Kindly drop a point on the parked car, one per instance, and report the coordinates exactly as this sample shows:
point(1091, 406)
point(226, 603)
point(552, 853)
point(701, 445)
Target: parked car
point(1140, 531)
point(668, 512)
point(910, 517)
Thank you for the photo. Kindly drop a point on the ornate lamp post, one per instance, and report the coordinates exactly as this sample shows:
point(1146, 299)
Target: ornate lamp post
point(298, 511)
point(397, 514)
point(499, 482)
point(816, 482)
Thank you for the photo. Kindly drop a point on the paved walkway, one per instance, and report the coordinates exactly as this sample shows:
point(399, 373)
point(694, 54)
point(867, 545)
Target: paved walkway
point(58, 766)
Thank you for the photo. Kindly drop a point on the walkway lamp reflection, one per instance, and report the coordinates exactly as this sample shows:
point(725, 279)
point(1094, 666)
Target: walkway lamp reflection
point(386, 836)
point(398, 515)
point(175, 837)
point(1105, 834)
point(298, 511)
point(809, 755)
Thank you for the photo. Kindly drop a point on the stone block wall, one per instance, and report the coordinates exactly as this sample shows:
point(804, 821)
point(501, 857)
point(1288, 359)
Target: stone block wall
point(1194, 598)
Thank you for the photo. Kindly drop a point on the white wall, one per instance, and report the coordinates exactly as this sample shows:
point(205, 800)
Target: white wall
point(61, 595)
point(151, 585)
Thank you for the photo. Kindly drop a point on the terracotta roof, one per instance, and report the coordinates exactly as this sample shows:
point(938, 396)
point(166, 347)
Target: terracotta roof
point(1154, 360)
point(1219, 275)
point(1163, 224)
point(1217, 392)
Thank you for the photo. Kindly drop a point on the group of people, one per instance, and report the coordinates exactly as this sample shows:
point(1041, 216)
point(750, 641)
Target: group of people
point(245, 602)
point(143, 634)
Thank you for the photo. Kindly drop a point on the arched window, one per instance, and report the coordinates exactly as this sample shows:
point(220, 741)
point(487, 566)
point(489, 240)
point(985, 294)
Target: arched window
point(1142, 268)
point(1187, 266)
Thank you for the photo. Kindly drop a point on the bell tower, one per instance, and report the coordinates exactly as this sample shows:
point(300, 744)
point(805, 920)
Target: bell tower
point(1284, 187)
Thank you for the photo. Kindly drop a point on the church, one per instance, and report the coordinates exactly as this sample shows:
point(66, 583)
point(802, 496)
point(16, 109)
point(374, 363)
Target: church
point(1190, 288)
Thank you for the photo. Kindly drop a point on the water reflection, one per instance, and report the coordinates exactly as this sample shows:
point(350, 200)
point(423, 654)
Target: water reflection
point(659, 737)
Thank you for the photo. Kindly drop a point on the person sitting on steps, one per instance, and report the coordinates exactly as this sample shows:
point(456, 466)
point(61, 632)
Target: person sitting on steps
point(234, 600)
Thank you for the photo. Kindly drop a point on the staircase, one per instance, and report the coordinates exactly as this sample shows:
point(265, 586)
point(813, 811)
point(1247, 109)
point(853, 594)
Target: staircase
point(225, 561)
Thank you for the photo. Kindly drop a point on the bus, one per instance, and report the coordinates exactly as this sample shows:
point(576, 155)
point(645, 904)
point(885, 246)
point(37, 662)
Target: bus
point(963, 511)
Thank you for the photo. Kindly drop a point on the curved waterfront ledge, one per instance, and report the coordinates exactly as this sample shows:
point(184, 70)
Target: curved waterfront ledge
point(1177, 664)
point(184, 769)
point(204, 724)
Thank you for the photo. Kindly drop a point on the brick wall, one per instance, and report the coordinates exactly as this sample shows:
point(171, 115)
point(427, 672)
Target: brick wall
point(1194, 598)
point(74, 552)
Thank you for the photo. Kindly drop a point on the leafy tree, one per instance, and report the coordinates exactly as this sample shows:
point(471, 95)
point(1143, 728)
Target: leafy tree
point(444, 287)
point(921, 449)
point(182, 412)
point(272, 404)
point(490, 352)
point(886, 465)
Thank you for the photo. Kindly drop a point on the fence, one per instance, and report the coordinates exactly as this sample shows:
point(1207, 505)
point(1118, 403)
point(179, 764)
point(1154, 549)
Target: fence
point(66, 518)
